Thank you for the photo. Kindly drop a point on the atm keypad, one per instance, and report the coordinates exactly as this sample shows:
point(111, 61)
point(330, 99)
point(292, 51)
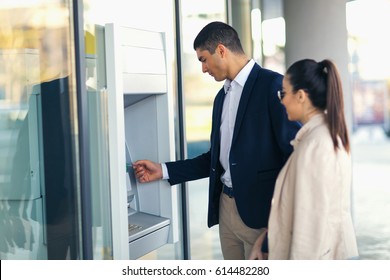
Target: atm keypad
point(134, 228)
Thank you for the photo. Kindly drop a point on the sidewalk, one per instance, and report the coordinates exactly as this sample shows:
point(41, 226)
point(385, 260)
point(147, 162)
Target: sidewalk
point(371, 193)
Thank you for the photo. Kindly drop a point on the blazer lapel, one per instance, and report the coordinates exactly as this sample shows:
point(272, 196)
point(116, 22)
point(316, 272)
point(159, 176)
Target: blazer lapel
point(218, 109)
point(246, 93)
point(216, 126)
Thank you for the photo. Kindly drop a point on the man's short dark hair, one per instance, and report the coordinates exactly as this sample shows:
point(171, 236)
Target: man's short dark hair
point(216, 33)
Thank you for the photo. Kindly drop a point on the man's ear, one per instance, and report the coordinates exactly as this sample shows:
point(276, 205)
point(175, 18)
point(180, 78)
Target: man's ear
point(221, 50)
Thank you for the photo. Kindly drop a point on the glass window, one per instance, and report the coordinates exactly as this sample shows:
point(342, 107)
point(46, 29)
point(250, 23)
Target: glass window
point(39, 209)
point(199, 91)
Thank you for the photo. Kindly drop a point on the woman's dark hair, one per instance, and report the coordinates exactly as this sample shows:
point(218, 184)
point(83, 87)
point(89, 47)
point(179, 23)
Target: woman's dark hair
point(216, 33)
point(321, 80)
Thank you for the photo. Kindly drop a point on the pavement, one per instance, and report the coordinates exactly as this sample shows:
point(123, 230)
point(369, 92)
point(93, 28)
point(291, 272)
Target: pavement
point(371, 192)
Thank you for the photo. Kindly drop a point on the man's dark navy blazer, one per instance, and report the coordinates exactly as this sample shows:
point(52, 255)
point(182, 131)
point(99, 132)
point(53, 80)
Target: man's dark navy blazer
point(260, 147)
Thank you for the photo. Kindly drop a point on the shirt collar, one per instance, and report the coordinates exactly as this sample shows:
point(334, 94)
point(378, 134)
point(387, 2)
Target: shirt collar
point(242, 76)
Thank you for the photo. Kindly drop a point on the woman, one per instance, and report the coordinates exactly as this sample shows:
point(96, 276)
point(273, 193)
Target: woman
point(311, 209)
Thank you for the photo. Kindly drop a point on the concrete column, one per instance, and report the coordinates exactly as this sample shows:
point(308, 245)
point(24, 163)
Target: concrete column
point(317, 29)
point(240, 11)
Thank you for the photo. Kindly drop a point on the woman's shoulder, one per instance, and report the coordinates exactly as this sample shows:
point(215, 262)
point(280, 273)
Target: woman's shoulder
point(318, 137)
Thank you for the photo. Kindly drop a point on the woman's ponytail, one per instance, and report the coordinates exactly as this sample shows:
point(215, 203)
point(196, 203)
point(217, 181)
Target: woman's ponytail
point(335, 104)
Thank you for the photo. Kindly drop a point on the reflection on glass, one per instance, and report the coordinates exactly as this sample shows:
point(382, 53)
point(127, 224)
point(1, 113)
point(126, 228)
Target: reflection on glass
point(38, 185)
point(20, 177)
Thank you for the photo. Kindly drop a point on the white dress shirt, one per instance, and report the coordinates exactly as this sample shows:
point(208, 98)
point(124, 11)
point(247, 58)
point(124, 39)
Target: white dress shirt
point(233, 91)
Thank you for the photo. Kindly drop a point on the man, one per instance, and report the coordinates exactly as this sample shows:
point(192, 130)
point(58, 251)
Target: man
point(250, 142)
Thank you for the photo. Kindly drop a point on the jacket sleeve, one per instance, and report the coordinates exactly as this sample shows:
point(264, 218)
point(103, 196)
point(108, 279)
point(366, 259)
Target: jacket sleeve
point(190, 169)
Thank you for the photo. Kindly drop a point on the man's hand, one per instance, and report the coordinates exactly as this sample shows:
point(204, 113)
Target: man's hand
point(256, 253)
point(147, 171)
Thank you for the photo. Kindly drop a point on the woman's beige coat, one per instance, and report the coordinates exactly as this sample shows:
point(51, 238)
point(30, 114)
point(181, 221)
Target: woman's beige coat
point(311, 208)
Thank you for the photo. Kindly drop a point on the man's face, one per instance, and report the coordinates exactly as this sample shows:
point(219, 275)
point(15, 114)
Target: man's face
point(212, 63)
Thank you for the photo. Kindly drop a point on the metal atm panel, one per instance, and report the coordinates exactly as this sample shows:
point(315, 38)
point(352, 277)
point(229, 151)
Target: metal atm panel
point(140, 122)
point(147, 230)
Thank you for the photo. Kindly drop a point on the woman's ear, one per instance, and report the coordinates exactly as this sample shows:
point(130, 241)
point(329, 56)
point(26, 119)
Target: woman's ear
point(302, 95)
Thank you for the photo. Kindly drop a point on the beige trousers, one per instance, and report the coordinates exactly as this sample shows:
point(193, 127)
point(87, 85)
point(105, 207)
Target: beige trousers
point(236, 238)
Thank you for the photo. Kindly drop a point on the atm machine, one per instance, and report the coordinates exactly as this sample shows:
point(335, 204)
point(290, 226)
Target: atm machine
point(140, 118)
